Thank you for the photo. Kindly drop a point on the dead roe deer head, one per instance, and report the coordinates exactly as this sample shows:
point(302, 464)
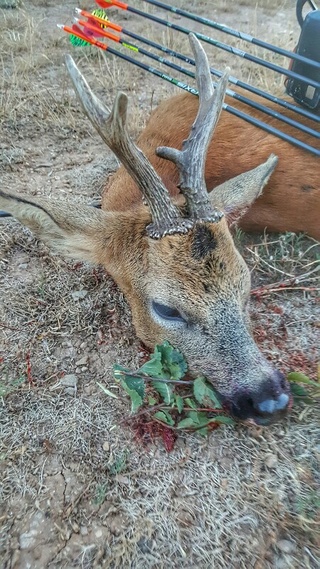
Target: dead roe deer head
point(175, 260)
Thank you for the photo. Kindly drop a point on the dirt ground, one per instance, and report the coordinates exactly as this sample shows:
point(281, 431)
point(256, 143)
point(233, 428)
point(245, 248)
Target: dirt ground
point(77, 490)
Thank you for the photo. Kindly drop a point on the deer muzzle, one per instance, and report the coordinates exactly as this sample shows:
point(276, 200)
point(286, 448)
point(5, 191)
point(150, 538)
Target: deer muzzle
point(248, 384)
point(266, 404)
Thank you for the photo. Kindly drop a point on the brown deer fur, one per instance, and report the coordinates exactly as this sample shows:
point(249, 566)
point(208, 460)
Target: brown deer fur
point(291, 199)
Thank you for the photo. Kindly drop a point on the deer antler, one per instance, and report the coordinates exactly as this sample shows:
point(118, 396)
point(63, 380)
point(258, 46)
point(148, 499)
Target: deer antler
point(191, 159)
point(166, 217)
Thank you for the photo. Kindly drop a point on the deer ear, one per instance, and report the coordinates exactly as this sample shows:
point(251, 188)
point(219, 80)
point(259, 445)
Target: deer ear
point(76, 231)
point(236, 195)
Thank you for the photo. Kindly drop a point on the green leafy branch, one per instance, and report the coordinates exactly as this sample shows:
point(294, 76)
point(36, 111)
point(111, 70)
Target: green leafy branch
point(299, 392)
point(159, 389)
point(10, 386)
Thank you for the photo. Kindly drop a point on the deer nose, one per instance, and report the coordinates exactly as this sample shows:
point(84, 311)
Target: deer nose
point(265, 405)
point(273, 405)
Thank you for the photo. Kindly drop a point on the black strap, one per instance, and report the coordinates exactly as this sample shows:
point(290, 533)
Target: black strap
point(299, 8)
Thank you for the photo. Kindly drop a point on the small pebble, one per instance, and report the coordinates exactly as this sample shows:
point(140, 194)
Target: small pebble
point(122, 479)
point(84, 530)
point(82, 361)
point(79, 294)
point(70, 391)
point(271, 461)
point(286, 546)
point(69, 380)
point(283, 562)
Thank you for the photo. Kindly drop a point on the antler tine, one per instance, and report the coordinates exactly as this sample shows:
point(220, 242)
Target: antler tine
point(191, 159)
point(166, 217)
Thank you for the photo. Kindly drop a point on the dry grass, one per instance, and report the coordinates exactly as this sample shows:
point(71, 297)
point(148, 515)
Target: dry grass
point(67, 463)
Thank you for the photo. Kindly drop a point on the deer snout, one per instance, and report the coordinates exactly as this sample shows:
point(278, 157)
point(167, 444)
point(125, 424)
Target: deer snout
point(265, 405)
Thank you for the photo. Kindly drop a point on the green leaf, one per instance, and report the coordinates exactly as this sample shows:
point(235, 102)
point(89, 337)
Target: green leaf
point(174, 365)
point(6, 388)
point(187, 423)
point(153, 367)
point(223, 419)
point(130, 380)
point(164, 390)
point(119, 371)
point(200, 422)
point(203, 392)
point(190, 402)
point(298, 377)
point(298, 390)
point(136, 384)
point(214, 398)
point(200, 418)
point(133, 386)
point(106, 391)
point(203, 431)
point(165, 362)
point(179, 403)
point(136, 399)
point(300, 394)
point(199, 389)
point(165, 417)
point(193, 416)
point(151, 401)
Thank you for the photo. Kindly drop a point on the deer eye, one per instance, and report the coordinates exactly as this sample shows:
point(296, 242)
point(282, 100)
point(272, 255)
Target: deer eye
point(167, 312)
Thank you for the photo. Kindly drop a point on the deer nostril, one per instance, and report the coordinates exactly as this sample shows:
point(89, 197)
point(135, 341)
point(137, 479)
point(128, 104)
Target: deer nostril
point(249, 402)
